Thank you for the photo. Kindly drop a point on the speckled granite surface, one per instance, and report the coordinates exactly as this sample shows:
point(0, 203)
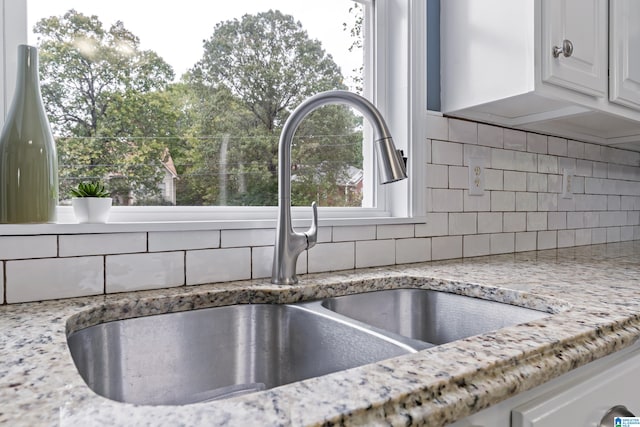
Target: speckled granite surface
point(593, 291)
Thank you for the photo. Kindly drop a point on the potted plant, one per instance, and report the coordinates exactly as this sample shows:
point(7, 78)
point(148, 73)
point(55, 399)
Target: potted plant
point(91, 202)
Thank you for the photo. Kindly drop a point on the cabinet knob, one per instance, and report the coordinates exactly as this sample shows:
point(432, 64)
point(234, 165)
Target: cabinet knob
point(566, 49)
point(616, 411)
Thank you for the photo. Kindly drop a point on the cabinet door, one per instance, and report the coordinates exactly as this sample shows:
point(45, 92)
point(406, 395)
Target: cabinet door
point(584, 24)
point(624, 83)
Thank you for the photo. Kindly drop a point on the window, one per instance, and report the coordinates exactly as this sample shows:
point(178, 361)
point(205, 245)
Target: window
point(157, 148)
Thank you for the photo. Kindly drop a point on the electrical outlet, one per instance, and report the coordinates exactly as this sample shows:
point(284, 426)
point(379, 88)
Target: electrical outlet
point(567, 183)
point(476, 177)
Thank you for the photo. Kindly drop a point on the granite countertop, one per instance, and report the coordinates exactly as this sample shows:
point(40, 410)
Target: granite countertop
point(592, 291)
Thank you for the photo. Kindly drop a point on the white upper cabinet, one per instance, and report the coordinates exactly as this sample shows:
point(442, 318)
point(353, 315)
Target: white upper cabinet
point(574, 45)
point(625, 52)
point(564, 67)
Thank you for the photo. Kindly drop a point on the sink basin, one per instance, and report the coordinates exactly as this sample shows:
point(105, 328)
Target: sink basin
point(431, 316)
point(219, 352)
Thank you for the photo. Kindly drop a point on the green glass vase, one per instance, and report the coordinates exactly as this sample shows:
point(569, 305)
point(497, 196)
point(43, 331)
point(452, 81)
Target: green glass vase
point(28, 160)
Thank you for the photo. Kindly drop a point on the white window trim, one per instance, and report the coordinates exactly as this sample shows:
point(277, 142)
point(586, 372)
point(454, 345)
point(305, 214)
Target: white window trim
point(400, 62)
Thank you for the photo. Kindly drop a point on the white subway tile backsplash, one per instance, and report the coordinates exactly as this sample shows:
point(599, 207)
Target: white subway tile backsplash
point(547, 164)
point(575, 149)
point(476, 245)
point(598, 235)
point(446, 153)
point(102, 244)
point(554, 183)
point(526, 202)
point(592, 152)
point(477, 203)
point(503, 159)
point(502, 243)
point(446, 200)
point(331, 257)
point(436, 224)
point(557, 220)
point(515, 140)
point(437, 127)
point(245, 238)
point(536, 182)
point(462, 223)
point(160, 241)
point(526, 162)
point(478, 152)
point(53, 278)
point(374, 253)
point(536, 221)
point(413, 250)
point(437, 176)
point(547, 201)
point(218, 265)
point(490, 222)
point(613, 234)
point(19, 247)
point(566, 238)
point(515, 181)
point(584, 168)
point(600, 170)
point(490, 136)
point(504, 201)
point(446, 247)
point(521, 210)
point(360, 232)
point(547, 240)
point(614, 203)
point(463, 131)
point(395, 231)
point(515, 221)
point(493, 179)
point(458, 177)
point(583, 236)
point(135, 272)
point(526, 241)
point(537, 143)
point(626, 233)
point(557, 146)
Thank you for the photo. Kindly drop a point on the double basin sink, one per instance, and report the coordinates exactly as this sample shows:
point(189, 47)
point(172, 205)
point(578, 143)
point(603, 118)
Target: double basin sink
point(221, 352)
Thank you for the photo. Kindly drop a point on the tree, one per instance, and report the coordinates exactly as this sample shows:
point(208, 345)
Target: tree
point(265, 65)
point(107, 102)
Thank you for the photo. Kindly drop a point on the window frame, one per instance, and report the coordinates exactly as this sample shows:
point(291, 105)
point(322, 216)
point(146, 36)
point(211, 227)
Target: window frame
point(398, 66)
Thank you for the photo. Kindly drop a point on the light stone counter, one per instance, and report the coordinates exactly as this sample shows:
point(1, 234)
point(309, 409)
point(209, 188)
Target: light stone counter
point(593, 291)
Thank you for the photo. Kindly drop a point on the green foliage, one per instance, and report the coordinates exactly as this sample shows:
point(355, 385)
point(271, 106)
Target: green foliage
point(116, 112)
point(90, 189)
point(253, 73)
point(107, 103)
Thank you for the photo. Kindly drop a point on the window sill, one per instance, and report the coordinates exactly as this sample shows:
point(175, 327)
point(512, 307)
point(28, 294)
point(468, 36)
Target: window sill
point(122, 223)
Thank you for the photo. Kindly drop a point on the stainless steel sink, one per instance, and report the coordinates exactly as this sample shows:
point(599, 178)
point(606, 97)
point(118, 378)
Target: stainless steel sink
point(220, 352)
point(431, 316)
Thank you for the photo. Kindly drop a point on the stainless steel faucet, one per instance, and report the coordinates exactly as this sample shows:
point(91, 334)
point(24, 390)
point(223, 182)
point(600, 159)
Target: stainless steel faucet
point(391, 166)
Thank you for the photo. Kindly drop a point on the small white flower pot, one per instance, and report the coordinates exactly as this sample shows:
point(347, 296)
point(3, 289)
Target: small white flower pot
point(92, 210)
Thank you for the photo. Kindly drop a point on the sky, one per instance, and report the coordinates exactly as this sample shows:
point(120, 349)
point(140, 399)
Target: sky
point(176, 33)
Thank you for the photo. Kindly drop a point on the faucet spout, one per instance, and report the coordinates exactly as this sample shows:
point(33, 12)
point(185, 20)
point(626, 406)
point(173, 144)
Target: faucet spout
point(391, 166)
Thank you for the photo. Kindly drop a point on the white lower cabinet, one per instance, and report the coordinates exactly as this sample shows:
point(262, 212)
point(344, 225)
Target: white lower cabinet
point(580, 398)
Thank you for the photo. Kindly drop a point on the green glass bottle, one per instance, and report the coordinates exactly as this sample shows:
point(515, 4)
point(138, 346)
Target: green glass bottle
point(28, 159)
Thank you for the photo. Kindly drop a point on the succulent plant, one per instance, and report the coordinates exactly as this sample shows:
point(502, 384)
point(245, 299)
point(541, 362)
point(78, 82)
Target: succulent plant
point(89, 189)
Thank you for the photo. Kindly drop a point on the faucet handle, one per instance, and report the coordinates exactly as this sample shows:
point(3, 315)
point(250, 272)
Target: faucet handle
point(312, 232)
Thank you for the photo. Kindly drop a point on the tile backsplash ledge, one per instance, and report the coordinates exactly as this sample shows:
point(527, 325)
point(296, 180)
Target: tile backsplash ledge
point(522, 209)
